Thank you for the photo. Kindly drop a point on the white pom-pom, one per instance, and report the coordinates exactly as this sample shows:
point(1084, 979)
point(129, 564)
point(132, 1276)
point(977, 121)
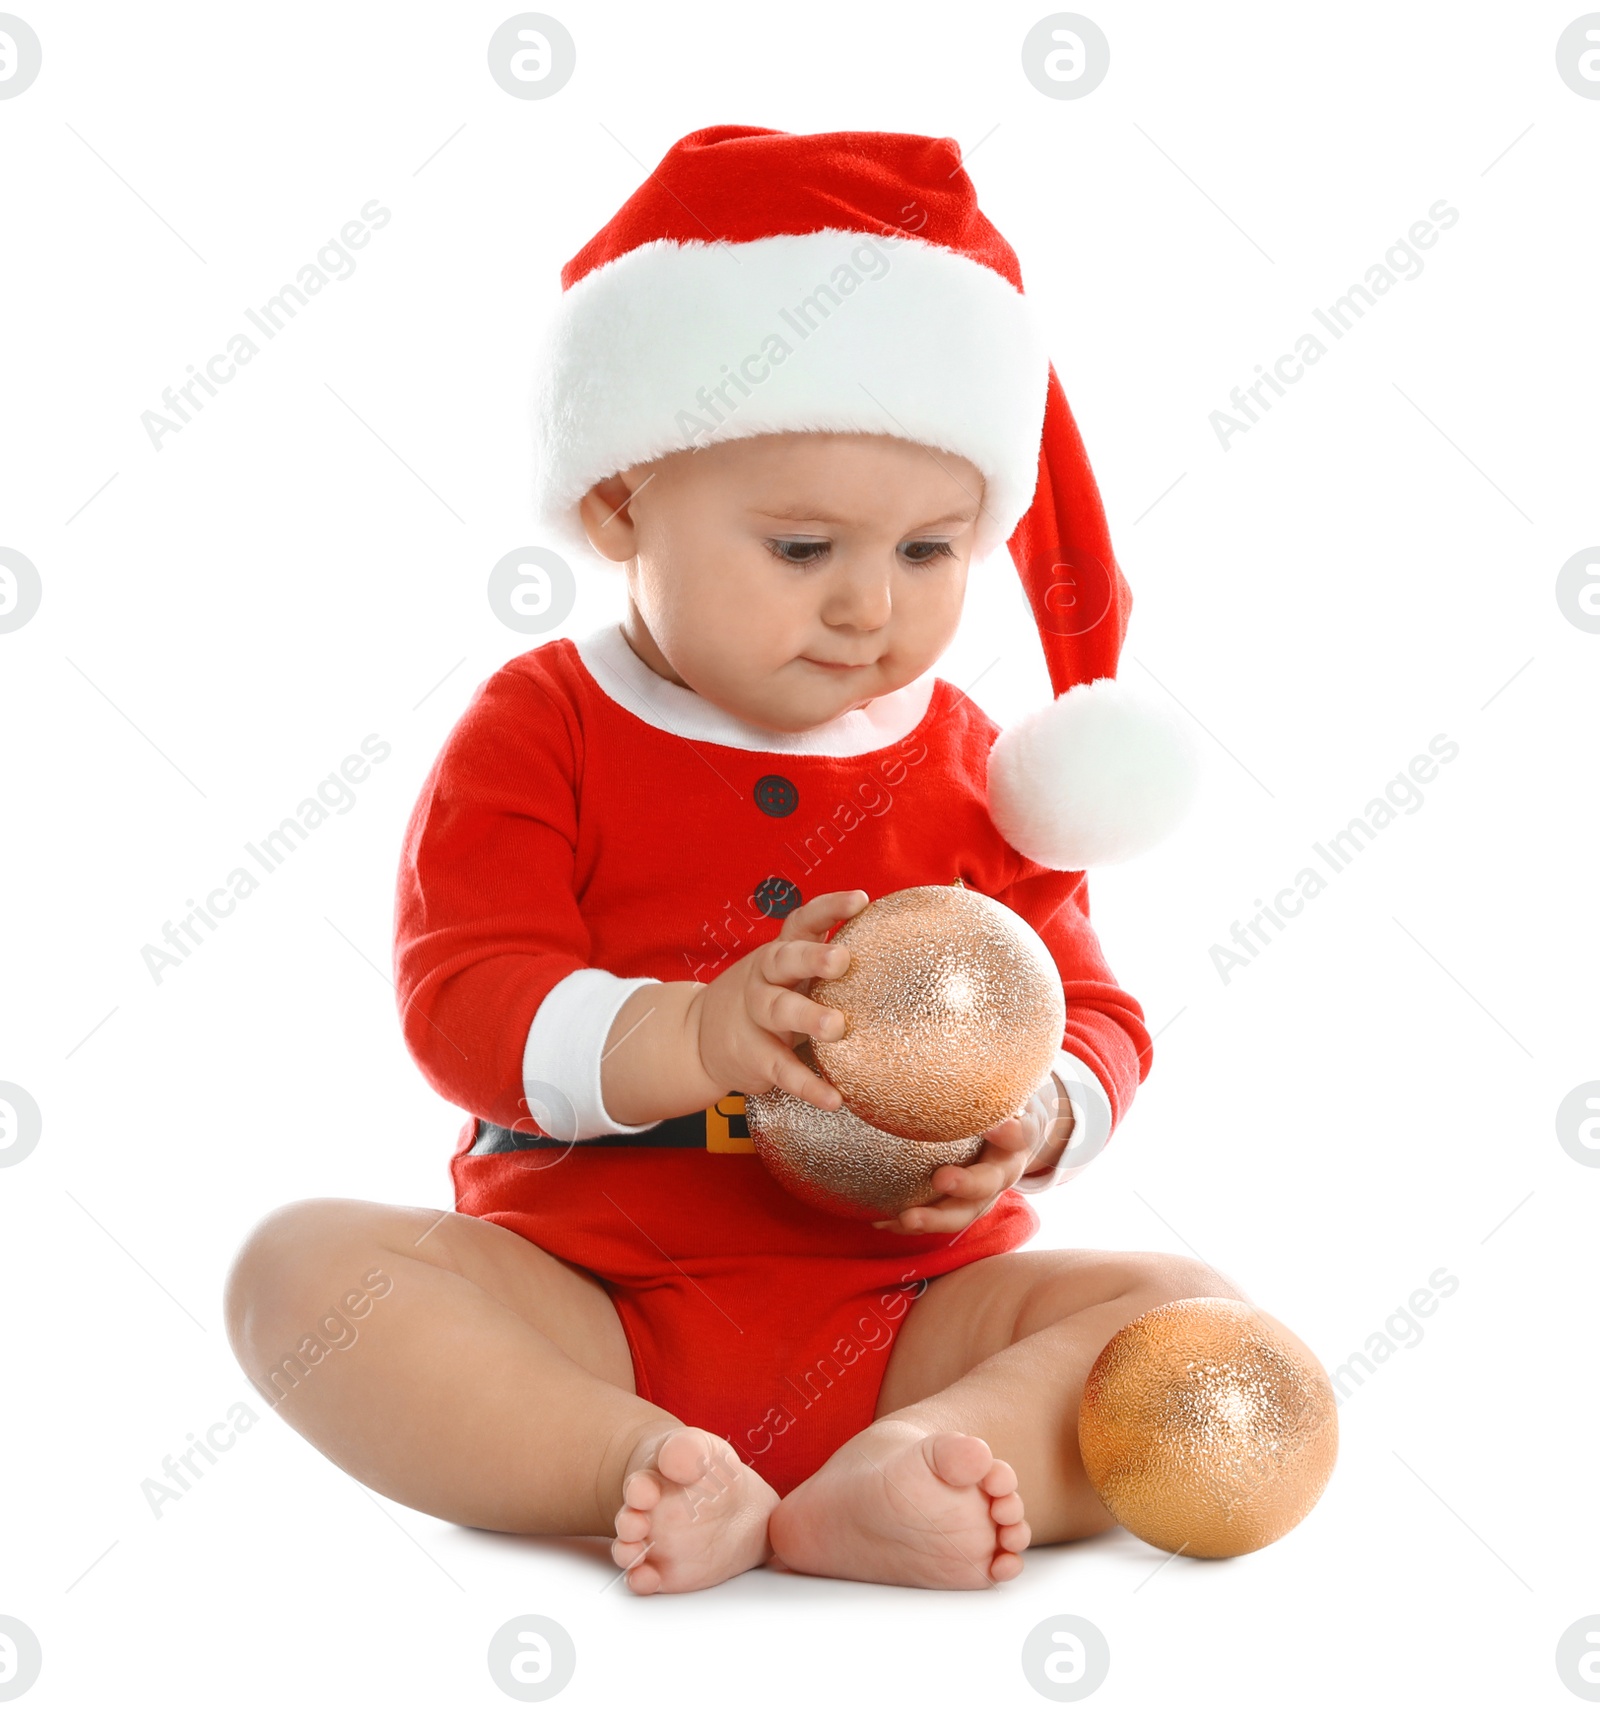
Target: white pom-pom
point(1100, 775)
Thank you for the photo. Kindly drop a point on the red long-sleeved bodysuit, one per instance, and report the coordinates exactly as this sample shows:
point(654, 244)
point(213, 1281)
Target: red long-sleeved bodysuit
point(586, 816)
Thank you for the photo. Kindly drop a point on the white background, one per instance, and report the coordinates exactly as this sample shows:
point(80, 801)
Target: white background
point(1372, 1099)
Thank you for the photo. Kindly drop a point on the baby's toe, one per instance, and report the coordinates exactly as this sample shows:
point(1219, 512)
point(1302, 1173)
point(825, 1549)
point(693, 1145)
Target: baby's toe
point(627, 1552)
point(999, 1480)
point(685, 1455)
point(632, 1526)
point(641, 1489)
point(644, 1579)
point(959, 1459)
point(1005, 1566)
point(1006, 1509)
point(1014, 1537)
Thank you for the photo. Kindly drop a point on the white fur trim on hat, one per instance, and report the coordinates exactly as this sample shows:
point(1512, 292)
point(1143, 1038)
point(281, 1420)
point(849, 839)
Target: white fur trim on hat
point(832, 330)
point(1099, 775)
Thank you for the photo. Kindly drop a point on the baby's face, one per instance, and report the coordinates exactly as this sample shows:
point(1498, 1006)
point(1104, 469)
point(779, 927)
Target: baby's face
point(755, 565)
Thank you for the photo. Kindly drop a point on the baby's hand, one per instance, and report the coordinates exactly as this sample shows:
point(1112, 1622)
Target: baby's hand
point(1008, 1152)
point(744, 1023)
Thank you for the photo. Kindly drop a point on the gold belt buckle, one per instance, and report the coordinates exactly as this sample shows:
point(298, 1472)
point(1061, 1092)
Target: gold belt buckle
point(727, 1130)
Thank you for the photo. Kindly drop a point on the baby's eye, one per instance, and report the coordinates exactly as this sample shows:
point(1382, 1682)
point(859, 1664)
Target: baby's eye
point(806, 549)
point(935, 549)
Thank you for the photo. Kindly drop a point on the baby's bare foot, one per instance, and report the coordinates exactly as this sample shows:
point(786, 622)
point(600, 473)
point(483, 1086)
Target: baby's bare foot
point(898, 1506)
point(693, 1513)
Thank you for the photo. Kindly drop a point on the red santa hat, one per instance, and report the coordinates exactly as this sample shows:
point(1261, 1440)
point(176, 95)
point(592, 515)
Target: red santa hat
point(761, 281)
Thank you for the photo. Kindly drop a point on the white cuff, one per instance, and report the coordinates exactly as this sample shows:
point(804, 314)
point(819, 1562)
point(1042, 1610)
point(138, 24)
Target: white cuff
point(1091, 1124)
point(561, 1058)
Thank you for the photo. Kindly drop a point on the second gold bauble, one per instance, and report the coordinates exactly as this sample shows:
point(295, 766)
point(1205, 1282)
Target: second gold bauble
point(1207, 1427)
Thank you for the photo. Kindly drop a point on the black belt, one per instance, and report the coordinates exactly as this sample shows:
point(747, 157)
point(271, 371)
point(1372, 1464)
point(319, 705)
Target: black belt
point(721, 1127)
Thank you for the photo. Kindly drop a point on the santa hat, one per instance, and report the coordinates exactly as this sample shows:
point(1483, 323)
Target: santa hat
point(761, 281)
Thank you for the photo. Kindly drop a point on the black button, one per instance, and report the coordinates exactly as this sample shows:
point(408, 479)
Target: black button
point(775, 795)
point(776, 897)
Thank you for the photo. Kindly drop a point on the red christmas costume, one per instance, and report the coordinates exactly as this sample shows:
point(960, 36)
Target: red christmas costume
point(544, 850)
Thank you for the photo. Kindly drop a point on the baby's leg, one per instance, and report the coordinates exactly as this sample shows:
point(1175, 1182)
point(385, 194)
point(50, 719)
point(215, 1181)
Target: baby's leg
point(991, 1359)
point(456, 1367)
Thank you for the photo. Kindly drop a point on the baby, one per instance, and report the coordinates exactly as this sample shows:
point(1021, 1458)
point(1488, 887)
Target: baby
point(625, 1327)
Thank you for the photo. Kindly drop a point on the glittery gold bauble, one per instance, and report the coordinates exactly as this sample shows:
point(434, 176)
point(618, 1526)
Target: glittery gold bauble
point(1207, 1427)
point(837, 1162)
point(953, 1010)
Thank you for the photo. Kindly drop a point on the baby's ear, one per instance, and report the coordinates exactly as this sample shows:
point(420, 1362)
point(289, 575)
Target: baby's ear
point(607, 520)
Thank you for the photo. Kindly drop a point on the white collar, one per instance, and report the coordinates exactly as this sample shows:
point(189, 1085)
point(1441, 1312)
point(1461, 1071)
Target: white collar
point(625, 679)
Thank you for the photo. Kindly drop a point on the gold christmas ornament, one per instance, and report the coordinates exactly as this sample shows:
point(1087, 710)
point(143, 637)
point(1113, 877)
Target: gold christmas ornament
point(1207, 1427)
point(831, 1159)
point(953, 1011)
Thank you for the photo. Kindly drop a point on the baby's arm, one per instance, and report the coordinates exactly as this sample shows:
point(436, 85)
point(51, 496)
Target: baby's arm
point(500, 996)
point(502, 1005)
